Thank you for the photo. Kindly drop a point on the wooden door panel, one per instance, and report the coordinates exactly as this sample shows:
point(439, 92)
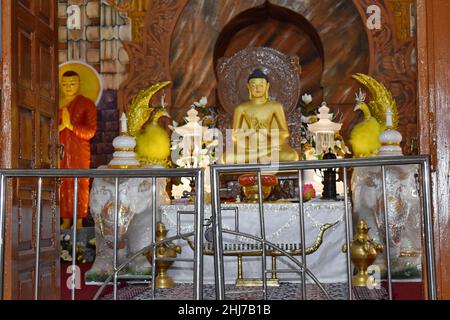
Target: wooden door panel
point(26, 4)
point(48, 220)
point(25, 285)
point(32, 140)
point(45, 12)
point(46, 128)
point(25, 59)
point(25, 234)
point(48, 281)
point(45, 78)
point(26, 137)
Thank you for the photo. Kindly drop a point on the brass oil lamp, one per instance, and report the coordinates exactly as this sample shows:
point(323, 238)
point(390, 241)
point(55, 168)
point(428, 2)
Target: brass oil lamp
point(363, 252)
point(163, 280)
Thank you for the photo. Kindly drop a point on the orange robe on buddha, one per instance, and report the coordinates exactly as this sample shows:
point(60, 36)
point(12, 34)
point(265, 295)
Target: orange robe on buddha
point(77, 154)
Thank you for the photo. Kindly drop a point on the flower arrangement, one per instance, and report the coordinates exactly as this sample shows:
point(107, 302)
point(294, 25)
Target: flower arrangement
point(194, 145)
point(85, 253)
point(201, 152)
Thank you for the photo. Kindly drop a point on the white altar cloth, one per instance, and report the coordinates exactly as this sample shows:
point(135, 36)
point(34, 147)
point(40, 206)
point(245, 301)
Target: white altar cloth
point(328, 263)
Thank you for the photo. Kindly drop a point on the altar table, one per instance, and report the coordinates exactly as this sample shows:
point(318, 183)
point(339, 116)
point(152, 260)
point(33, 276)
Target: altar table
point(328, 263)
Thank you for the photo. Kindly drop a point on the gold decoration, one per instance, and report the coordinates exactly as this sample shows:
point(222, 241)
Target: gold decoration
point(363, 252)
point(381, 99)
point(252, 195)
point(124, 166)
point(139, 111)
point(125, 149)
point(401, 12)
point(155, 162)
point(164, 250)
point(106, 224)
point(135, 11)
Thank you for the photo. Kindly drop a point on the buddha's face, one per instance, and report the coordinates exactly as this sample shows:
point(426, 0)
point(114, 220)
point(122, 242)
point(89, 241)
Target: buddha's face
point(258, 87)
point(70, 86)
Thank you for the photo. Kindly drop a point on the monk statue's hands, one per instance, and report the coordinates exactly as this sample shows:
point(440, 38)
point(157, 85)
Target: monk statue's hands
point(65, 120)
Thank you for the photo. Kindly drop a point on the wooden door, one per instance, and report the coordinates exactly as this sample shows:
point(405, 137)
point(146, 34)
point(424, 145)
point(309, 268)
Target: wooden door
point(433, 42)
point(29, 131)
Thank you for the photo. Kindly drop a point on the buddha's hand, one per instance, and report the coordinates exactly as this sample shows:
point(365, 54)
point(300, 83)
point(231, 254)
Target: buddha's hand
point(242, 133)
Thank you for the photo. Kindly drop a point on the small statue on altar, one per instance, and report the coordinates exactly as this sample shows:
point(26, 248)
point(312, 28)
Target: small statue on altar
point(260, 130)
point(77, 126)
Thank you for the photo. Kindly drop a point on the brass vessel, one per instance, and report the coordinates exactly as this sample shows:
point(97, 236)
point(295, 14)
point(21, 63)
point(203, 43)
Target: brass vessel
point(165, 250)
point(249, 184)
point(363, 252)
point(251, 192)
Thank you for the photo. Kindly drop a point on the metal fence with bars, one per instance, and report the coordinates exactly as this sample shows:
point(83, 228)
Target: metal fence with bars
point(297, 167)
point(216, 172)
point(117, 174)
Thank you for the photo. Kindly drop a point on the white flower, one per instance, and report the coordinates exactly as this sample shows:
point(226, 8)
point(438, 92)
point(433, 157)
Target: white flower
point(180, 162)
point(65, 255)
point(306, 98)
point(310, 154)
point(204, 162)
point(202, 103)
point(67, 237)
point(185, 181)
point(177, 191)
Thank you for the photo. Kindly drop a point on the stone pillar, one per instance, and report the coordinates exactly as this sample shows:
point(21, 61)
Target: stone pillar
point(114, 59)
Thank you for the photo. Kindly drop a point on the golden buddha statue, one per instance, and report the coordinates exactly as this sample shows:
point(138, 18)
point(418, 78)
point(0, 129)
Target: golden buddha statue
point(260, 130)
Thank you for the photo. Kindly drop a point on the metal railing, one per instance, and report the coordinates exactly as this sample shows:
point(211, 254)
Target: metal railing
point(195, 173)
point(298, 167)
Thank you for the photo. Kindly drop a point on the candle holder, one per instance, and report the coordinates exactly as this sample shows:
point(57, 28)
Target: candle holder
point(329, 179)
point(165, 250)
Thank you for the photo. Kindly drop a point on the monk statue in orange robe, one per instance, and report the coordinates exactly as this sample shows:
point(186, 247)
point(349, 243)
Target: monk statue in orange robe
point(77, 125)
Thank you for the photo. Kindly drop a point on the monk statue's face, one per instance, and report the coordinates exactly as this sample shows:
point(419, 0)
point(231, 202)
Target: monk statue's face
point(70, 86)
point(258, 88)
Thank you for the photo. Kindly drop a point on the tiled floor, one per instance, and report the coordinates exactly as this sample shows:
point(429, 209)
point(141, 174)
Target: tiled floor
point(286, 291)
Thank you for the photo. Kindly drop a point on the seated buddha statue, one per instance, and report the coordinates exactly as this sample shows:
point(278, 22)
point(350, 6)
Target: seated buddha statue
point(260, 131)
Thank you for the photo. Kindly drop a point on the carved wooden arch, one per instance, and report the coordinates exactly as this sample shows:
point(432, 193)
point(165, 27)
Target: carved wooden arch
point(149, 61)
point(390, 56)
